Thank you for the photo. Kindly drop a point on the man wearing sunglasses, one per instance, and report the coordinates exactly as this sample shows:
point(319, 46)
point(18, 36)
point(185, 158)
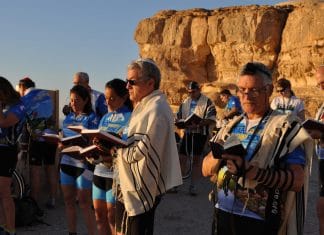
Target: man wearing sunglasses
point(319, 136)
point(264, 190)
point(149, 166)
point(195, 136)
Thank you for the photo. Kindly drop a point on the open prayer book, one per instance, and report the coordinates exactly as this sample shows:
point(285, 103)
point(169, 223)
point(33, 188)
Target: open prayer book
point(103, 135)
point(77, 128)
point(190, 120)
point(312, 124)
point(79, 152)
point(231, 146)
point(55, 139)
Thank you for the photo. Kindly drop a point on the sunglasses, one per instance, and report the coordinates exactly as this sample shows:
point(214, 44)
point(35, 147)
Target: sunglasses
point(133, 82)
point(280, 91)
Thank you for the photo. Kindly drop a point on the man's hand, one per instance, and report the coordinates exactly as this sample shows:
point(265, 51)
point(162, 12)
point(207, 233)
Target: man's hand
point(234, 163)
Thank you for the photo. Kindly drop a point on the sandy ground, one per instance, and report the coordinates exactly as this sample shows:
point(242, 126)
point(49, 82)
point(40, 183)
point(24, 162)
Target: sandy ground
point(178, 213)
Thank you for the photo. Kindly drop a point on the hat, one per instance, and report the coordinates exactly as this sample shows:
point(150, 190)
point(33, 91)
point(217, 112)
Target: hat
point(193, 85)
point(283, 84)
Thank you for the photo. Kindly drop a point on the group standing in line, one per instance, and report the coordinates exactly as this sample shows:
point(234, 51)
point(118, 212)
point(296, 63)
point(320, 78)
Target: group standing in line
point(125, 184)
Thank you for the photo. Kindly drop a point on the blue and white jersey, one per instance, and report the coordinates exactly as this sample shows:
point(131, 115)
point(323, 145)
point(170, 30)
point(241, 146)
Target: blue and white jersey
point(250, 139)
point(39, 110)
point(233, 102)
point(116, 122)
point(98, 102)
point(87, 121)
point(9, 135)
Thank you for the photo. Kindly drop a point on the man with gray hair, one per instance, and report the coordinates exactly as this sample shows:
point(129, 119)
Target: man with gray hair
point(98, 100)
point(264, 190)
point(149, 166)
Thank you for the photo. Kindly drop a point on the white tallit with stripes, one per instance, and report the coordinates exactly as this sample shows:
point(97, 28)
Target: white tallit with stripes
point(280, 137)
point(150, 165)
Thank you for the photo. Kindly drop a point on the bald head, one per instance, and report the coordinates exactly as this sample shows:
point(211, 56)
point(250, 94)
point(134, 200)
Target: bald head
point(320, 76)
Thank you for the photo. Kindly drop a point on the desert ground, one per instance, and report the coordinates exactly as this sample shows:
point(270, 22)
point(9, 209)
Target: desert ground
point(178, 213)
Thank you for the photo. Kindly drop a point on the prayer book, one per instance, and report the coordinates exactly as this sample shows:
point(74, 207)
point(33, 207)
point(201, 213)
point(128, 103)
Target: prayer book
point(312, 124)
point(77, 128)
point(55, 139)
point(190, 120)
point(232, 146)
point(78, 152)
point(112, 138)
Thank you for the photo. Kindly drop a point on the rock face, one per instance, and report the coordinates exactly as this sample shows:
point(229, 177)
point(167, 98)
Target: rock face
point(210, 46)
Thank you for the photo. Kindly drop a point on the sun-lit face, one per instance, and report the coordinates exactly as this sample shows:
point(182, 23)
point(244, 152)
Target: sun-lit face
point(113, 101)
point(254, 95)
point(138, 86)
point(224, 98)
point(77, 103)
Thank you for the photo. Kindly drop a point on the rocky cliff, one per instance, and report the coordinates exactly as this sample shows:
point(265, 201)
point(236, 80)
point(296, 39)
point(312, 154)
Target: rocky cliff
point(210, 46)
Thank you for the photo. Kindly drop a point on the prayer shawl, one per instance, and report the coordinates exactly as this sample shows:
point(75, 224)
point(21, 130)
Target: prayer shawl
point(201, 109)
point(204, 109)
point(281, 135)
point(149, 166)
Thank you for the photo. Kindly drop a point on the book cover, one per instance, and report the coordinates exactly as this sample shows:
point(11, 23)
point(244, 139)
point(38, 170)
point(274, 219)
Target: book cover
point(55, 139)
point(107, 136)
point(232, 146)
point(190, 120)
point(312, 124)
point(78, 152)
point(77, 128)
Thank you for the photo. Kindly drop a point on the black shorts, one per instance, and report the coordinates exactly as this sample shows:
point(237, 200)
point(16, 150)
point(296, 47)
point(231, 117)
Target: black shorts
point(42, 153)
point(198, 145)
point(8, 160)
point(138, 224)
point(102, 182)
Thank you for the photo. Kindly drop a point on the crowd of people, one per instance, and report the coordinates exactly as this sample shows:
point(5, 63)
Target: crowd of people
point(118, 188)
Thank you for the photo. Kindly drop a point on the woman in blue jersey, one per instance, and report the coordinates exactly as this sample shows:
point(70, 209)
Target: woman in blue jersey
point(116, 121)
point(12, 113)
point(75, 175)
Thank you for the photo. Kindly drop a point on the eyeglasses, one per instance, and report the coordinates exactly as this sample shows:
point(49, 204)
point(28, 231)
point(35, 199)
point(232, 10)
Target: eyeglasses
point(252, 92)
point(280, 91)
point(134, 82)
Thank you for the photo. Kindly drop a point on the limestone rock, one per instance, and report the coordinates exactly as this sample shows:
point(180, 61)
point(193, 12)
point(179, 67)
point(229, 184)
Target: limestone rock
point(210, 46)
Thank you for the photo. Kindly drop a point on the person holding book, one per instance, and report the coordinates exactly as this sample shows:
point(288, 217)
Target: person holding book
point(97, 98)
point(265, 190)
point(149, 166)
point(115, 121)
point(232, 104)
point(76, 175)
point(39, 120)
point(12, 116)
point(319, 136)
point(195, 135)
point(286, 102)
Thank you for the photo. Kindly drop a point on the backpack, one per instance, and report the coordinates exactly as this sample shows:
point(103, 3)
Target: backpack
point(26, 211)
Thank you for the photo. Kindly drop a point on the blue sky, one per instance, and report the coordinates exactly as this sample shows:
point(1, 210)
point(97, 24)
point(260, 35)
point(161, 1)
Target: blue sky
point(51, 40)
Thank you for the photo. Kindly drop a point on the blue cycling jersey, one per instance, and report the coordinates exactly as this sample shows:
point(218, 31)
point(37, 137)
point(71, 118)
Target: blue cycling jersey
point(9, 135)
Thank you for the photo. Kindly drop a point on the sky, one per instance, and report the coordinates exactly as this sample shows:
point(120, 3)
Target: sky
point(49, 41)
